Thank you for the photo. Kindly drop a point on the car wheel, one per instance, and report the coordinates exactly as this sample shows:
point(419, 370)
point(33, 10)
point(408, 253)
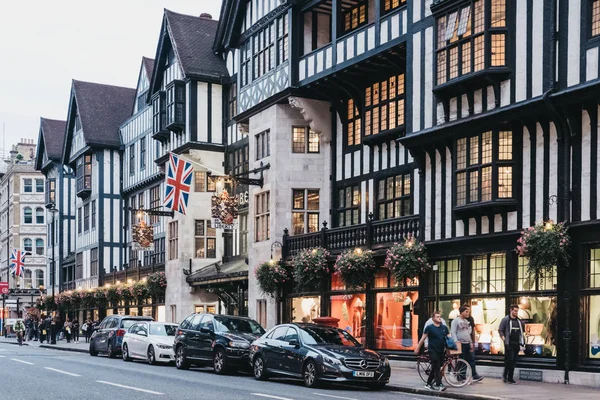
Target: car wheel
point(180, 361)
point(126, 353)
point(376, 385)
point(310, 374)
point(259, 369)
point(151, 355)
point(93, 351)
point(111, 351)
point(220, 361)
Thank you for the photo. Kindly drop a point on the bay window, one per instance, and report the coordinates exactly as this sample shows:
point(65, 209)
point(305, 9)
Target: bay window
point(384, 105)
point(84, 173)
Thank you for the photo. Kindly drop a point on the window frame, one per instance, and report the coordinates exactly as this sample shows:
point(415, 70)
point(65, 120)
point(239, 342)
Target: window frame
point(154, 203)
point(387, 6)
point(84, 172)
point(353, 127)
point(51, 191)
point(86, 217)
point(591, 5)
point(381, 104)
point(386, 201)
point(343, 208)
point(39, 249)
point(94, 261)
point(303, 146)
point(40, 216)
point(28, 245)
point(304, 211)
point(27, 185)
point(205, 236)
point(489, 277)
point(143, 145)
point(262, 216)
point(173, 240)
point(347, 24)
point(25, 217)
point(39, 184)
point(93, 214)
point(263, 147)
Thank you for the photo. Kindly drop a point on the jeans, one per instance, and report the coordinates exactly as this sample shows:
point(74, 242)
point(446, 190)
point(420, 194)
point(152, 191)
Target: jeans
point(469, 356)
point(436, 366)
point(510, 360)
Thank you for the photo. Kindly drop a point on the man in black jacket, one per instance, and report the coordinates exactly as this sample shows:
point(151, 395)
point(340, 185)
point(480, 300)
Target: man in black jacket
point(511, 332)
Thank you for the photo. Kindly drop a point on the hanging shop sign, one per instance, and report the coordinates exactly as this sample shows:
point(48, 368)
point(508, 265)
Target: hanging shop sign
point(143, 237)
point(224, 211)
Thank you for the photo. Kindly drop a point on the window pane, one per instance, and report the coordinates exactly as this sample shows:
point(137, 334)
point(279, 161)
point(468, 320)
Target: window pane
point(199, 228)
point(461, 153)
point(313, 200)
point(486, 184)
point(298, 223)
point(474, 150)
point(486, 148)
point(313, 141)
point(461, 187)
point(298, 196)
point(498, 50)
point(474, 183)
point(505, 182)
point(313, 222)
point(298, 138)
point(505, 145)
point(498, 13)
point(479, 274)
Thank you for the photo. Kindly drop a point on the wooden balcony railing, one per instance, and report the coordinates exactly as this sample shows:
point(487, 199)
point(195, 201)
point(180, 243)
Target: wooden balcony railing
point(372, 235)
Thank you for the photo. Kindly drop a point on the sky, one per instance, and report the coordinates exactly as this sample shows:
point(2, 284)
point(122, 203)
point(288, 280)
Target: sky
point(45, 44)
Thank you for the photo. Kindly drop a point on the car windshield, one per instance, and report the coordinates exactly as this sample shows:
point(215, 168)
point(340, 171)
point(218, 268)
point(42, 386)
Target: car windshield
point(128, 322)
point(163, 329)
point(224, 324)
point(319, 335)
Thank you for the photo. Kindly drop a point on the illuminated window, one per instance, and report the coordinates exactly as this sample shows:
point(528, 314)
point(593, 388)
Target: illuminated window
point(262, 223)
point(305, 211)
point(461, 39)
point(595, 20)
point(394, 197)
point(488, 273)
point(389, 5)
point(173, 240)
point(353, 124)
point(594, 268)
point(526, 282)
point(349, 206)
point(205, 239)
point(355, 16)
point(304, 140)
point(448, 277)
point(384, 105)
point(478, 159)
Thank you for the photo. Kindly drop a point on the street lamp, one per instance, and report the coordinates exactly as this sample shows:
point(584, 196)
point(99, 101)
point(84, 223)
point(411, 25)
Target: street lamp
point(435, 287)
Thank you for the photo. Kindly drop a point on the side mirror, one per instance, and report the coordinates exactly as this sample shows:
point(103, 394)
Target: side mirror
point(294, 343)
point(142, 333)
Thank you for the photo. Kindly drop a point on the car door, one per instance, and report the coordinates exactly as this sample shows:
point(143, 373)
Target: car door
point(292, 355)
point(141, 340)
point(274, 348)
point(101, 339)
point(207, 335)
point(192, 340)
point(129, 338)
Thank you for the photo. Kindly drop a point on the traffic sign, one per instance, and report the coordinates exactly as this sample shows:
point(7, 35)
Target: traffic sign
point(3, 287)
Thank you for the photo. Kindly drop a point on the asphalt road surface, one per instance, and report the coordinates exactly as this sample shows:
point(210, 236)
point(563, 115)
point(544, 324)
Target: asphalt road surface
point(33, 373)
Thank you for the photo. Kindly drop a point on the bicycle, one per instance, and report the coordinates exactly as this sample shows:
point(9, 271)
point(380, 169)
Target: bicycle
point(455, 371)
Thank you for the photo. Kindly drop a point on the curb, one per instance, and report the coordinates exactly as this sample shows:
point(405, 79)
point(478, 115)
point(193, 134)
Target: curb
point(445, 394)
point(46, 346)
point(15, 343)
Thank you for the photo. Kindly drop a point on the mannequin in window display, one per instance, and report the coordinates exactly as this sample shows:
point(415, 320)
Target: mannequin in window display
point(357, 318)
point(407, 308)
point(454, 313)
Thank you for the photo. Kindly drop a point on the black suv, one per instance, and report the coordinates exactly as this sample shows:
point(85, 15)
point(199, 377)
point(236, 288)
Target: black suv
point(220, 340)
point(108, 336)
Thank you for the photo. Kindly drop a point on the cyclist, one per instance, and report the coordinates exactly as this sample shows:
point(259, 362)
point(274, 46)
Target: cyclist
point(436, 334)
point(19, 329)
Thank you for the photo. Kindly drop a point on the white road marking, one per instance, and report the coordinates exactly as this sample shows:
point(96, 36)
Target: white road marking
point(21, 361)
point(62, 372)
point(2, 356)
point(335, 397)
point(130, 387)
point(270, 397)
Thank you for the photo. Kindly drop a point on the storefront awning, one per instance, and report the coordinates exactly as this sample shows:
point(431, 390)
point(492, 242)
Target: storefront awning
point(218, 273)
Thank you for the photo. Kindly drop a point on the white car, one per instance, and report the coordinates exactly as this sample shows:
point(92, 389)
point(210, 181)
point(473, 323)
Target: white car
point(150, 341)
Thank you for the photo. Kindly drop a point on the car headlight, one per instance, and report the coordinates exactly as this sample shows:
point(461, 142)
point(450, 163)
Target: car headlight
point(386, 362)
point(238, 345)
point(332, 361)
point(164, 346)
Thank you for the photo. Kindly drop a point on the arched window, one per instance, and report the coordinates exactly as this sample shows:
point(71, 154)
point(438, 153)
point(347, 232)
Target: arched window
point(39, 215)
point(28, 245)
point(39, 278)
point(28, 279)
point(39, 247)
point(28, 215)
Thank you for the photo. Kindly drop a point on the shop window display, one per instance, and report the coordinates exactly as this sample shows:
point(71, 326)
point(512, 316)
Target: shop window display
point(305, 309)
point(539, 317)
point(350, 310)
point(487, 314)
point(396, 323)
point(449, 309)
point(594, 327)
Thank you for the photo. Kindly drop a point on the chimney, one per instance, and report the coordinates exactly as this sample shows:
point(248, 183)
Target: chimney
point(205, 16)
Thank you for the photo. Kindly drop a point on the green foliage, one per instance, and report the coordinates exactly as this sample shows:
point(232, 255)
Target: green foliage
point(546, 245)
point(407, 260)
point(270, 277)
point(356, 268)
point(310, 268)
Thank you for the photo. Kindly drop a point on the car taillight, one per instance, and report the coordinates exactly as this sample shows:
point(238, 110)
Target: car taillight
point(120, 332)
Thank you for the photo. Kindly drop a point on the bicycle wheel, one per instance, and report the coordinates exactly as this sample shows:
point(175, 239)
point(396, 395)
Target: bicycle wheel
point(457, 372)
point(424, 368)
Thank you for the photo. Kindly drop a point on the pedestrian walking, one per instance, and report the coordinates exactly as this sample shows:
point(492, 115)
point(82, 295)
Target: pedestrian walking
point(19, 329)
point(41, 330)
point(436, 333)
point(511, 332)
point(461, 331)
point(430, 322)
point(48, 329)
point(27, 327)
point(68, 327)
point(75, 332)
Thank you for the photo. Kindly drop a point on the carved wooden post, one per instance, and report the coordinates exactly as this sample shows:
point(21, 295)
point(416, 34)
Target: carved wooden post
point(369, 231)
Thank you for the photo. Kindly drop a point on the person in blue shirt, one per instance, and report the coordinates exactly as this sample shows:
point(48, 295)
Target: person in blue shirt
point(436, 333)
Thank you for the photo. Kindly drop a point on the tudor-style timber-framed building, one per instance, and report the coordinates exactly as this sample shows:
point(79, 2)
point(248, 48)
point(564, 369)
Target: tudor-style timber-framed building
point(461, 122)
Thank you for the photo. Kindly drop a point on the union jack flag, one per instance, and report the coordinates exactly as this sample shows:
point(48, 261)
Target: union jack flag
point(178, 184)
point(17, 262)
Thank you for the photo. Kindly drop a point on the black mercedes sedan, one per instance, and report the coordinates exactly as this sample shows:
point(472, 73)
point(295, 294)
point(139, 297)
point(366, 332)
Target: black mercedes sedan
point(317, 353)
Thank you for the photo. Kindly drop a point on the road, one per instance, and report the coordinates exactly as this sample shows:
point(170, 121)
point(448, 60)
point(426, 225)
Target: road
point(30, 372)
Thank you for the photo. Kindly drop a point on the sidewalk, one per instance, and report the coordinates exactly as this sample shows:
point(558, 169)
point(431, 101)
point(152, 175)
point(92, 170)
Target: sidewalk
point(405, 379)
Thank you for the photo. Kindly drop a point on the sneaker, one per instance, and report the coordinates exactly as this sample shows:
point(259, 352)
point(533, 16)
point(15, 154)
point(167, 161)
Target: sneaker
point(441, 388)
point(477, 378)
point(512, 381)
point(428, 386)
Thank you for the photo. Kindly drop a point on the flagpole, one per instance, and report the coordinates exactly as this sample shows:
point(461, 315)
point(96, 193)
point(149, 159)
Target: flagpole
point(182, 156)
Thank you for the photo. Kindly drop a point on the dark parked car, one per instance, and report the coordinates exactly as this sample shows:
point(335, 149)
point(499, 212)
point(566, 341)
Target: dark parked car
point(317, 353)
point(218, 340)
point(108, 336)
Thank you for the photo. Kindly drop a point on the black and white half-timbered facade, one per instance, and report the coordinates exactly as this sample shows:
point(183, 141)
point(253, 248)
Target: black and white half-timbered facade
point(92, 150)
point(461, 122)
point(187, 99)
point(59, 203)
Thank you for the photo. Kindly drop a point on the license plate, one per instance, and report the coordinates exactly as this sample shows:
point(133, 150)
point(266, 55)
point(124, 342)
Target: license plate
point(363, 374)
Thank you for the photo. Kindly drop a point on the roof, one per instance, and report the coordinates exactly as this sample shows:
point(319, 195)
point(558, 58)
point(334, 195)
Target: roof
point(216, 272)
point(193, 38)
point(102, 109)
point(148, 64)
point(51, 140)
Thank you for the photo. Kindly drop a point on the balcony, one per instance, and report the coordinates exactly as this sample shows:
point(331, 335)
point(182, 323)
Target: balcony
point(373, 235)
point(175, 100)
